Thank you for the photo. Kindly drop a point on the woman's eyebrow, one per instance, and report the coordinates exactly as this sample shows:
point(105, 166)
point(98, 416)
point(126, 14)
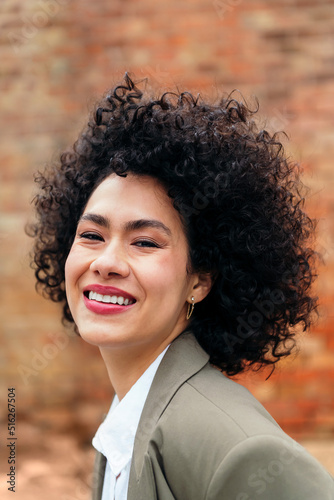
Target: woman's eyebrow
point(132, 225)
point(100, 220)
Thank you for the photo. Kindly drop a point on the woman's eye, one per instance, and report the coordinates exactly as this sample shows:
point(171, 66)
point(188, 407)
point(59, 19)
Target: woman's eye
point(91, 236)
point(146, 244)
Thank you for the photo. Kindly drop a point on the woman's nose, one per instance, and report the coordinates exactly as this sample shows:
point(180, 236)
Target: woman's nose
point(111, 262)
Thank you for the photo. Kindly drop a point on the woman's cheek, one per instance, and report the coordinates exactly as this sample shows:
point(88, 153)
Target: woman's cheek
point(71, 269)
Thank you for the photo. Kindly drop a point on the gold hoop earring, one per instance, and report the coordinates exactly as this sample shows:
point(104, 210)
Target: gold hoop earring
point(191, 307)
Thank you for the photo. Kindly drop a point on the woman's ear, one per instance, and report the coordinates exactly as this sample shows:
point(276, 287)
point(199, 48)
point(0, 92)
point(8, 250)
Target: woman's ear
point(202, 286)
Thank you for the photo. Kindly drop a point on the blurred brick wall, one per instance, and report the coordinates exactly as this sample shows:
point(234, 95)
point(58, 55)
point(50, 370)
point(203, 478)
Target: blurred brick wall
point(57, 57)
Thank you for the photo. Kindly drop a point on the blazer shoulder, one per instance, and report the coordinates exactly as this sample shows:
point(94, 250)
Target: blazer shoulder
point(211, 397)
point(216, 433)
point(211, 413)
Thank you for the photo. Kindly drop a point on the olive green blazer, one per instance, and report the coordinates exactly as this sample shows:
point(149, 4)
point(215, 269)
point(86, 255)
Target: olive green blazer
point(202, 436)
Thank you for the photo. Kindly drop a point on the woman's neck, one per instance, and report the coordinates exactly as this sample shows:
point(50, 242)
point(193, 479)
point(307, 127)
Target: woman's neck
point(125, 368)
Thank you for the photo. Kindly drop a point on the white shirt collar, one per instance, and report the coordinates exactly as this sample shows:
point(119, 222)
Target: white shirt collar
point(115, 436)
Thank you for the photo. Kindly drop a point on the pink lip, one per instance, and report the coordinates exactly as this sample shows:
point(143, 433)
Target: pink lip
point(107, 290)
point(106, 308)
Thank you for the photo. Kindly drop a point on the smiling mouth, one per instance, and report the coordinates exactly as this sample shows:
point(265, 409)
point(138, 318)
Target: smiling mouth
point(109, 299)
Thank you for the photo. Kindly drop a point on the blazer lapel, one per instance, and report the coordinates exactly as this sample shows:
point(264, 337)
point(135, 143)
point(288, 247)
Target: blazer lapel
point(98, 475)
point(182, 360)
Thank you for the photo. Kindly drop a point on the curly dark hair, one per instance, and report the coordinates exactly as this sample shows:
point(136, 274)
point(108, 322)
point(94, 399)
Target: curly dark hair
point(239, 198)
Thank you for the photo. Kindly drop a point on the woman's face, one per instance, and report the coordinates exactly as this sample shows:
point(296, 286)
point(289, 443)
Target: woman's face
point(126, 274)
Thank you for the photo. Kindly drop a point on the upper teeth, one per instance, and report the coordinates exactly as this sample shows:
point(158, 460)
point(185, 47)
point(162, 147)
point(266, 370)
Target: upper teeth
point(113, 299)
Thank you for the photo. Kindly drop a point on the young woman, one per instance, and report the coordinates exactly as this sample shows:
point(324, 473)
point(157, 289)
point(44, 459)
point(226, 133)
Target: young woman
point(174, 236)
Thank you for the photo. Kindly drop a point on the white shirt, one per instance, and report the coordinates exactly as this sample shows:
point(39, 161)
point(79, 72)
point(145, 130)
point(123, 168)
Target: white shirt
point(116, 435)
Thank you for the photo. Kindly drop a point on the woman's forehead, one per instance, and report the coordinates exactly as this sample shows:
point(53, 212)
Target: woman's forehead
point(134, 197)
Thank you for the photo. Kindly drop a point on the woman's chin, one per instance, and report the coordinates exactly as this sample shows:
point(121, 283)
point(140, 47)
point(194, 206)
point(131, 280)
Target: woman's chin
point(102, 339)
point(95, 338)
